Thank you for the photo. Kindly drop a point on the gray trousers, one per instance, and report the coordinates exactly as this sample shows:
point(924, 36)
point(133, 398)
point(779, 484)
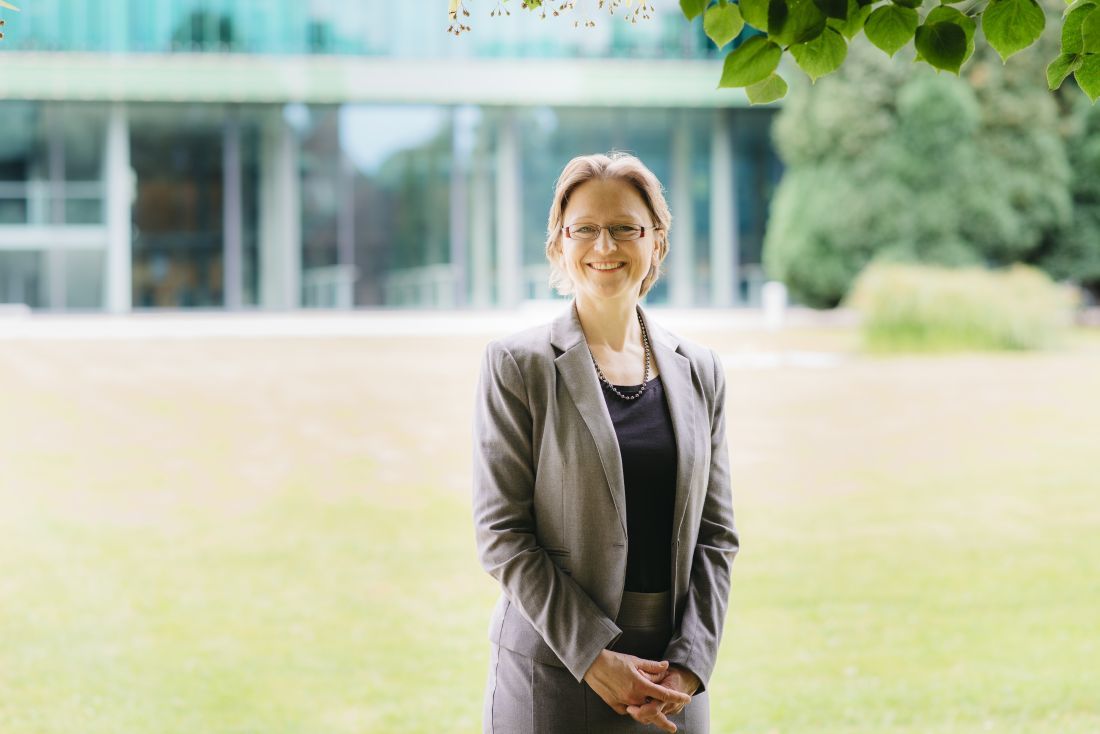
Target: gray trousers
point(524, 696)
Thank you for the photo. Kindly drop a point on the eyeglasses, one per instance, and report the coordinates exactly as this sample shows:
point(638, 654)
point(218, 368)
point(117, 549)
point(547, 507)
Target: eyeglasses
point(619, 232)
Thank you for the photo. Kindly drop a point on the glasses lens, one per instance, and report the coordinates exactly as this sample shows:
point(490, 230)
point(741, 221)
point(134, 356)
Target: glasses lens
point(626, 232)
point(584, 232)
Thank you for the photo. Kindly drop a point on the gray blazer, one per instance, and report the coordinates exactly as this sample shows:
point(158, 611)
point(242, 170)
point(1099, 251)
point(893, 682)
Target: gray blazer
point(549, 501)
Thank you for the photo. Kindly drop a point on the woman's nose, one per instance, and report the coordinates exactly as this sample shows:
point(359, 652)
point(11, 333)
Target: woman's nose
point(604, 242)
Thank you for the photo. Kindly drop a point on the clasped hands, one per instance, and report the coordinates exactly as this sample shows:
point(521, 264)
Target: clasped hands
point(649, 691)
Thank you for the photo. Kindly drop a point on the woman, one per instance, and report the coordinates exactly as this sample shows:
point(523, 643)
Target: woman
point(602, 502)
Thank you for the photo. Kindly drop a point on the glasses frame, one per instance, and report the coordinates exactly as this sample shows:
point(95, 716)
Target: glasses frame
point(600, 228)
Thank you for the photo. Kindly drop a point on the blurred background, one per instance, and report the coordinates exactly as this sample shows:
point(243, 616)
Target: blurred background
point(177, 154)
point(250, 256)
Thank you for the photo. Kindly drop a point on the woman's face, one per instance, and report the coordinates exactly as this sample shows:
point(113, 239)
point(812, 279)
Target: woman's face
point(607, 202)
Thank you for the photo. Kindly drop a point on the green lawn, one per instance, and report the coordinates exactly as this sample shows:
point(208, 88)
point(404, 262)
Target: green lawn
point(267, 536)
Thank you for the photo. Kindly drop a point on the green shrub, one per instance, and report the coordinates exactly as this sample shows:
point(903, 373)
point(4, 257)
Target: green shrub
point(925, 308)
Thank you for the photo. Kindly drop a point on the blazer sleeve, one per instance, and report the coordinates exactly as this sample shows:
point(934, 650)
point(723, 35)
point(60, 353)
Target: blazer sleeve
point(695, 643)
point(572, 625)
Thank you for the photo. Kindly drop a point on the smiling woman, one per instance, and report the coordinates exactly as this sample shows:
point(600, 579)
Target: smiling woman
point(601, 484)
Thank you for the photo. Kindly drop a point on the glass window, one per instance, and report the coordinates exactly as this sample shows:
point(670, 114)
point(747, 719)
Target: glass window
point(176, 152)
point(84, 279)
point(320, 161)
point(401, 157)
point(51, 176)
point(25, 192)
point(758, 170)
point(21, 278)
point(51, 163)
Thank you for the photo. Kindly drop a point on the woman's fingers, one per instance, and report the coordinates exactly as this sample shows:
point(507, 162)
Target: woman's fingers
point(653, 670)
point(659, 692)
point(652, 666)
point(651, 713)
point(671, 709)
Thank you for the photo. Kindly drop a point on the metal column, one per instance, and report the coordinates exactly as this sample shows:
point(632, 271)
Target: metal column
point(280, 217)
point(117, 202)
point(233, 249)
point(481, 224)
point(682, 240)
point(56, 286)
point(509, 214)
point(724, 242)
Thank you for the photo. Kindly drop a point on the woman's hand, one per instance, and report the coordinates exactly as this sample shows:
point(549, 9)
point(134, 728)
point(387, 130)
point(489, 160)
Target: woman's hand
point(623, 680)
point(656, 712)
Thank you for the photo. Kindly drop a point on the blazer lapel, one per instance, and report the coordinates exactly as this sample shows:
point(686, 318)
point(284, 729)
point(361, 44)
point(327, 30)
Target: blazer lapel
point(574, 365)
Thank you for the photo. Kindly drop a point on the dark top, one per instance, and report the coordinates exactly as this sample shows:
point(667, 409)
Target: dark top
point(648, 447)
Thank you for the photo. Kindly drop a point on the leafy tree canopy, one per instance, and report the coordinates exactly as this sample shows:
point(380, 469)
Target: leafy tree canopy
point(888, 160)
point(817, 34)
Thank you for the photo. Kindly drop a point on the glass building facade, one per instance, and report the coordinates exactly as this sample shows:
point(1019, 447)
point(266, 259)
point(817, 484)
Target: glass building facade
point(283, 154)
point(380, 28)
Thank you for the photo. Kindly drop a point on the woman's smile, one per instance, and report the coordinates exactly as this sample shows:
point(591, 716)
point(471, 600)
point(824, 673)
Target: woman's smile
point(607, 266)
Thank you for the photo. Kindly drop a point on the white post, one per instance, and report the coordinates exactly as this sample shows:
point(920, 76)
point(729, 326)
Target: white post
point(773, 297)
point(117, 204)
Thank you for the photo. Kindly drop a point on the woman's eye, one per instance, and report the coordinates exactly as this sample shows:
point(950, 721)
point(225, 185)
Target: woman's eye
point(585, 229)
point(624, 229)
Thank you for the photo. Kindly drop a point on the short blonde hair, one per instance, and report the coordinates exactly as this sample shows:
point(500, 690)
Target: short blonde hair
point(617, 166)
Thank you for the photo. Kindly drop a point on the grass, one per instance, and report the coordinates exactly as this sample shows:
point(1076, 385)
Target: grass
point(274, 536)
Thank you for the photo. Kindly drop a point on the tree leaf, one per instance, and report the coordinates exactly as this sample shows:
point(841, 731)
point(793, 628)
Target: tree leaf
point(1061, 67)
point(1088, 76)
point(794, 21)
point(755, 13)
point(1071, 28)
point(1012, 25)
point(1090, 33)
point(857, 16)
point(821, 56)
point(777, 18)
point(835, 9)
point(909, 3)
point(945, 12)
point(692, 8)
point(723, 23)
point(750, 62)
point(942, 44)
point(768, 90)
point(891, 26)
